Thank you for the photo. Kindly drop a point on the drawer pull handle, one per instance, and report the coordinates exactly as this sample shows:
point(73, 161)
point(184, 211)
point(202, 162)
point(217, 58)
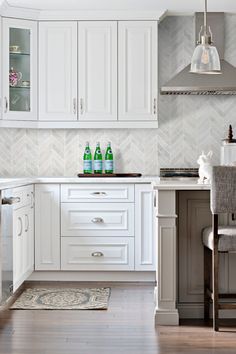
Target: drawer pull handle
point(97, 254)
point(97, 220)
point(99, 193)
point(11, 200)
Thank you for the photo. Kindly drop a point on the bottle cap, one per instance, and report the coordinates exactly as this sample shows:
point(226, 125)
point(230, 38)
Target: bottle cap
point(87, 143)
point(109, 144)
point(98, 143)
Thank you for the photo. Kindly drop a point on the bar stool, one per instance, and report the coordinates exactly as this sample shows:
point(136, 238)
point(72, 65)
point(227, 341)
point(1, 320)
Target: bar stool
point(219, 239)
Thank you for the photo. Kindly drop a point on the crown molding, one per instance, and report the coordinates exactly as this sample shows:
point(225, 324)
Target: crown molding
point(18, 12)
point(51, 15)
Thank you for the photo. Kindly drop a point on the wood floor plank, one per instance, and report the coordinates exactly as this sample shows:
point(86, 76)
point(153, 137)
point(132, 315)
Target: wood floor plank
point(126, 327)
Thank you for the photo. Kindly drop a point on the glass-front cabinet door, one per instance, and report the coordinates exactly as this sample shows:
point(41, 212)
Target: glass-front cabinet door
point(19, 69)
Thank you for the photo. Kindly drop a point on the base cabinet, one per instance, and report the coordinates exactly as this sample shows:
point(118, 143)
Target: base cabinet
point(47, 227)
point(23, 241)
point(94, 226)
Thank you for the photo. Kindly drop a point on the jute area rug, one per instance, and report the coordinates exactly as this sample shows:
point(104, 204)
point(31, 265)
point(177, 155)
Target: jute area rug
point(63, 299)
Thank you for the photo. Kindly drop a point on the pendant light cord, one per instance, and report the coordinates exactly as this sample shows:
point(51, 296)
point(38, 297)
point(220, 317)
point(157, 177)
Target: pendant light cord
point(205, 18)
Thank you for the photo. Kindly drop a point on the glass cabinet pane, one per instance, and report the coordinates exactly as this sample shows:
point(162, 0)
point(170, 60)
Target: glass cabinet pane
point(19, 69)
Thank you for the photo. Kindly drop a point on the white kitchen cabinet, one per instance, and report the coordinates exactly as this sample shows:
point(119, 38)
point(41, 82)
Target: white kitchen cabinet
point(145, 241)
point(97, 74)
point(23, 239)
point(19, 69)
point(47, 227)
point(97, 219)
point(97, 253)
point(58, 71)
point(137, 62)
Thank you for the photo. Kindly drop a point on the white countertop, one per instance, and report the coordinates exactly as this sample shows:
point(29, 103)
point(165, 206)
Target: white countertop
point(171, 184)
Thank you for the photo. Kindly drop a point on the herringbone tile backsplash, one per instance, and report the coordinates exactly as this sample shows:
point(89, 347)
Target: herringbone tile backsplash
point(187, 125)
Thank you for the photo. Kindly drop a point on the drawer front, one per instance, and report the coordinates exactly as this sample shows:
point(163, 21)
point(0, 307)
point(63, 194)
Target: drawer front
point(26, 195)
point(98, 219)
point(92, 253)
point(98, 192)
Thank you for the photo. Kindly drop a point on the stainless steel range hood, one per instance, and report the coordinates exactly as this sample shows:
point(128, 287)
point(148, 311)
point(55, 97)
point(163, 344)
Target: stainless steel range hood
point(186, 83)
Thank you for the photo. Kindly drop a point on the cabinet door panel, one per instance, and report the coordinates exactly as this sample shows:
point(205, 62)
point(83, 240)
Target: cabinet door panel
point(19, 58)
point(47, 227)
point(28, 254)
point(144, 228)
point(18, 247)
point(97, 77)
point(58, 71)
point(137, 70)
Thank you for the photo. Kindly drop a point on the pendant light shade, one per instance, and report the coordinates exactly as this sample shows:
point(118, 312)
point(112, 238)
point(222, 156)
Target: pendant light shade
point(205, 59)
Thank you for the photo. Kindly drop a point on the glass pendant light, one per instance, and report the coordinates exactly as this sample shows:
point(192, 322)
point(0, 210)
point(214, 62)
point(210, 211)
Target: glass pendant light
point(205, 59)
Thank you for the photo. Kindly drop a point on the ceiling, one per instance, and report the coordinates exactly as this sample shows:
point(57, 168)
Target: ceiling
point(173, 6)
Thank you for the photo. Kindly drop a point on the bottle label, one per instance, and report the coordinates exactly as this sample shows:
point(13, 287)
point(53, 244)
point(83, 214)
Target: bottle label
point(87, 151)
point(97, 165)
point(109, 165)
point(87, 165)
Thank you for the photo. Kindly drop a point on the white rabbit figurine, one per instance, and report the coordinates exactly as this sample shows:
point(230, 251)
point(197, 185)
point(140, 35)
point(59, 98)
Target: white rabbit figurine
point(205, 169)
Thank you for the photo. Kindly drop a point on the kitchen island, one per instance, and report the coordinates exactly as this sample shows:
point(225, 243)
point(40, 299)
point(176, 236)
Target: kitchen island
point(166, 225)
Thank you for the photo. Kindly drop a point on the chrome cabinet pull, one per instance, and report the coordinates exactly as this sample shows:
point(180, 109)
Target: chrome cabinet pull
point(97, 220)
point(21, 226)
point(81, 106)
point(154, 106)
point(98, 193)
point(74, 105)
point(6, 105)
point(11, 200)
point(97, 254)
point(27, 218)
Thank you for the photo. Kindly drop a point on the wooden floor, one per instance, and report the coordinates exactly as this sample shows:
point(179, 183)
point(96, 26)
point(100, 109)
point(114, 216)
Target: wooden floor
point(126, 327)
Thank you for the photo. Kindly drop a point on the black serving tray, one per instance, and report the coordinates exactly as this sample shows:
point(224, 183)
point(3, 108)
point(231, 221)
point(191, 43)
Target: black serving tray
point(119, 175)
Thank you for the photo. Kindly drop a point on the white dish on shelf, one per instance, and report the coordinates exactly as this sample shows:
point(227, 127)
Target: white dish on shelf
point(15, 52)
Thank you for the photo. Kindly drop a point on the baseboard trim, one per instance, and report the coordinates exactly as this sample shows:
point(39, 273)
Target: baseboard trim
point(166, 317)
point(92, 276)
point(196, 310)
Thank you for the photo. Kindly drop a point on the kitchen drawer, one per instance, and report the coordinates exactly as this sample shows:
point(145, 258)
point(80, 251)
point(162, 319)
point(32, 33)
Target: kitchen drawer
point(97, 219)
point(25, 193)
point(99, 192)
point(92, 253)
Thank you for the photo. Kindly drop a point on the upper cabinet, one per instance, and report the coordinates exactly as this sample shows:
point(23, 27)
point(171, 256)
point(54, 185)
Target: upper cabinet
point(19, 73)
point(137, 70)
point(58, 71)
point(97, 79)
point(91, 74)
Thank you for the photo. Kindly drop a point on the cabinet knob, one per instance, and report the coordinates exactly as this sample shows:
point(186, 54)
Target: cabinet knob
point(97, 254)
point(97, 220)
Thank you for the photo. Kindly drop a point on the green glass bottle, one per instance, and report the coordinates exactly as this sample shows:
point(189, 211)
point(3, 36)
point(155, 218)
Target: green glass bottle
point(87, 160)
point(109, 165)
point(97, 159)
